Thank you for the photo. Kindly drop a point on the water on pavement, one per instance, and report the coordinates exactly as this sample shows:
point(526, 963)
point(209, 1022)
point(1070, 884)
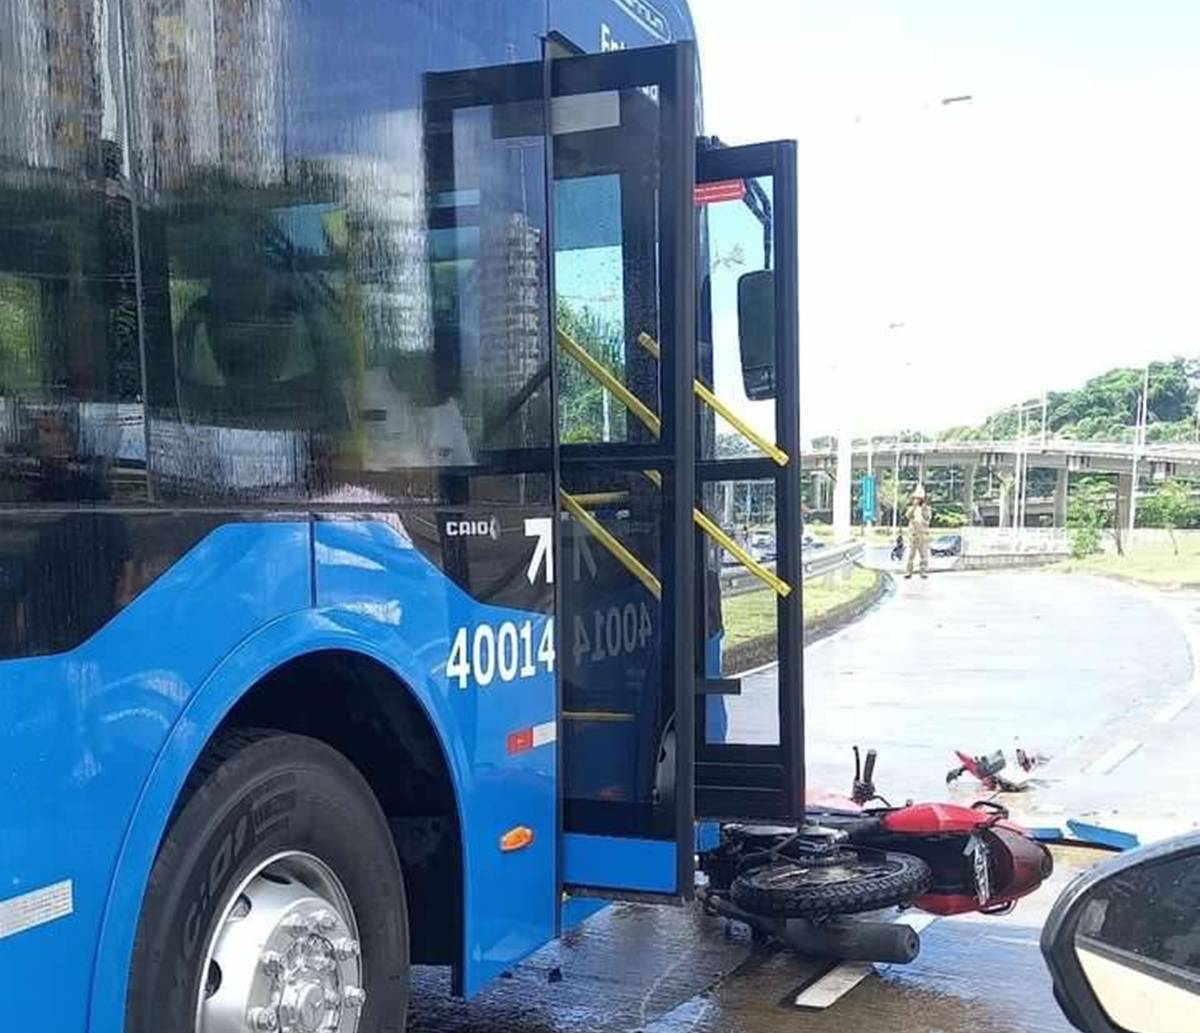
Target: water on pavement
point(668, 970)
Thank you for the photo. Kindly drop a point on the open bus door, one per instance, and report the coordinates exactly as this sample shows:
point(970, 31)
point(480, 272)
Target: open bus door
point(750, 728)
point(641, 465)
point(623, 266)
point(623, 236)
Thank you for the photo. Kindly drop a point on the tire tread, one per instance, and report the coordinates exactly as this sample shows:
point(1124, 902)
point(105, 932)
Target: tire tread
point(911, 879)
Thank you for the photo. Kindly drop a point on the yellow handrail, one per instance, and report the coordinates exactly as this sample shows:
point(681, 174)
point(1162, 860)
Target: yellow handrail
point(622, 555)
point(607, 379)
point(737, 423)
point(710, 528)
point(574, 504)
point(601, 498)
point(650, 344)
point(706, 395)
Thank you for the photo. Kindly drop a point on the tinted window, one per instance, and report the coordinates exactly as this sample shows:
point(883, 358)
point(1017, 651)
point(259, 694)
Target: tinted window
point(70, 413)
point(345, 278)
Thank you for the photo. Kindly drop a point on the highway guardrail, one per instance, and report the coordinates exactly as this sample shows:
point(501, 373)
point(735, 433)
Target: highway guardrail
point(814, 563)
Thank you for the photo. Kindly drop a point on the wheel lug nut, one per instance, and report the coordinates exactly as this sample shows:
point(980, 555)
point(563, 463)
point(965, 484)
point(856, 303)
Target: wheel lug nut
point(262, 1020)
point(321, 963)
point(345, 949)
point(323, 921)
point(354, 996)
point(272, 962)
point(332, 999)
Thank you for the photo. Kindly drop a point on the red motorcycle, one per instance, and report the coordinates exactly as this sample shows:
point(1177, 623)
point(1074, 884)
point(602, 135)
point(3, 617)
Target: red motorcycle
point(851, 857)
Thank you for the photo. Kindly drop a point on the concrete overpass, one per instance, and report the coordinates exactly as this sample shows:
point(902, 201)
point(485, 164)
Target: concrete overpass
point(1153, 461)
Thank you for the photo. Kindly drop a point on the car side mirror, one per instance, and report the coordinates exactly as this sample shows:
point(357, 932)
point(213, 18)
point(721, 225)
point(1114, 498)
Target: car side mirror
point(1123, 942)
point(756, 332)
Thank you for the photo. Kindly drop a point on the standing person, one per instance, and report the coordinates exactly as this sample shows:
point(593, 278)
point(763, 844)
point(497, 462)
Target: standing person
point(919, 516)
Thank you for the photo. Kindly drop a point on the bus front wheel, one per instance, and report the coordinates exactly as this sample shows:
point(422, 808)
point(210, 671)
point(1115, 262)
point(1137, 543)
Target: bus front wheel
point(276, 902)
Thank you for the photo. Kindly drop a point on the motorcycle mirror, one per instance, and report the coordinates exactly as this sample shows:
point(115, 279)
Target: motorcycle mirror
point(1121, 942)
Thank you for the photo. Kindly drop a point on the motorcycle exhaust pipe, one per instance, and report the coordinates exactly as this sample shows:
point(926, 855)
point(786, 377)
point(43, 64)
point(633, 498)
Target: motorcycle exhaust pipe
point(842, 938)
point(852, 940)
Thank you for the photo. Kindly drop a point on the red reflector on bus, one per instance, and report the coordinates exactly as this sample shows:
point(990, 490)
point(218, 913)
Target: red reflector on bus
point(724, 190)
point(519, 742)
point(516, 839)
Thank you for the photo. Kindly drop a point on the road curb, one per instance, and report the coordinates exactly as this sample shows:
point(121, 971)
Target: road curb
point(1166, 587)
point(849, 611)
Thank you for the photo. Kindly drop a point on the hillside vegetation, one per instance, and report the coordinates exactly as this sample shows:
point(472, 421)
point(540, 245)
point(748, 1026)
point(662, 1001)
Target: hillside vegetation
point(1106, 407)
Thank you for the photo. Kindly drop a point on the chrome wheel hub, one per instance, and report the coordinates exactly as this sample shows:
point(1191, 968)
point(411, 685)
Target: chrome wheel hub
point(285, 956)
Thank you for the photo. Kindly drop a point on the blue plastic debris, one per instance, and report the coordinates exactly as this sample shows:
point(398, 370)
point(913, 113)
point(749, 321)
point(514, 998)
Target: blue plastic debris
point(1101, 836)
point(1046, 833)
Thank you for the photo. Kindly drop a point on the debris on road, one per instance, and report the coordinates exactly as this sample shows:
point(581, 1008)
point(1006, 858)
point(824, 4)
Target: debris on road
point(1100, 835)
point(986, 768)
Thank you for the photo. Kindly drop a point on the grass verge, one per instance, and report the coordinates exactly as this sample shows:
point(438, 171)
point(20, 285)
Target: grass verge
point(750, 618)
point(1154, 564)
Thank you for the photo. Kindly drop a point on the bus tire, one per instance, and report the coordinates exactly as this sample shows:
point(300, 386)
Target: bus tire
point(276, 893)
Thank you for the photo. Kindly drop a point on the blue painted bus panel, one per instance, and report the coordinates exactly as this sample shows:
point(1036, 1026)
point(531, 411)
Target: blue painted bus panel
point(369, 573)
point(617, 863)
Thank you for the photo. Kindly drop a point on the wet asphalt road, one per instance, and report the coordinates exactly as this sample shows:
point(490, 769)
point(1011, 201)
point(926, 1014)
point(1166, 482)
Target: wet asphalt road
point(959, 660)
point(972, 662)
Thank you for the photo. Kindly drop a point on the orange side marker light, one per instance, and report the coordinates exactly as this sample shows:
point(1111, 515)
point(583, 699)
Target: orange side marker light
point(517, 838)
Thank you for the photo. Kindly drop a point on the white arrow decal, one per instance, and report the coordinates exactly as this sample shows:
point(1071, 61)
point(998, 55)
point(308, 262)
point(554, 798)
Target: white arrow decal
point(543, 529)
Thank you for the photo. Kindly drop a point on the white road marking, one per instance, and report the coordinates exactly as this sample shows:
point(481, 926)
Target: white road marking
point(1172, 710)
point(1117, 754)
point(37, 907)
point(834, 985)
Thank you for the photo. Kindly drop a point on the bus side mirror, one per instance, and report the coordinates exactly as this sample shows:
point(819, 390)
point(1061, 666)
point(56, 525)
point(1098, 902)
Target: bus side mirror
point(756, 332)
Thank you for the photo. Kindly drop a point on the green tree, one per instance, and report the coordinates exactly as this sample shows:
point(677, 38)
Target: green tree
point(1089, 512)
point(581, 400)
point(1169, 507)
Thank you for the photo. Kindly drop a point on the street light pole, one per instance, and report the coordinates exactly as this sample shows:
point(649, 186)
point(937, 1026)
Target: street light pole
point(1024, 473)
point(1019, 500)
point(1139, 444)
point(896, 490)
point(870, 474)
point(841, 485)
point(1018, 472)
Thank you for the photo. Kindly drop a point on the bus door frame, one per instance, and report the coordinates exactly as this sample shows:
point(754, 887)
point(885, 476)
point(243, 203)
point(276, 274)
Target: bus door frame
point(617, 867)
point(742, 781)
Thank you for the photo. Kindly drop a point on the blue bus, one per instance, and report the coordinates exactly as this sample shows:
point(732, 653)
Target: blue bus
point(367, 377)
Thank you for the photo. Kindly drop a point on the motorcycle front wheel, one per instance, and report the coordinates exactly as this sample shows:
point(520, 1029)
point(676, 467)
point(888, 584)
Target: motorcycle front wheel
point(863, 881)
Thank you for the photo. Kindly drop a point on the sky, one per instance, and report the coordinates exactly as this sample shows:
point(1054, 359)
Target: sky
point(957, 258)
